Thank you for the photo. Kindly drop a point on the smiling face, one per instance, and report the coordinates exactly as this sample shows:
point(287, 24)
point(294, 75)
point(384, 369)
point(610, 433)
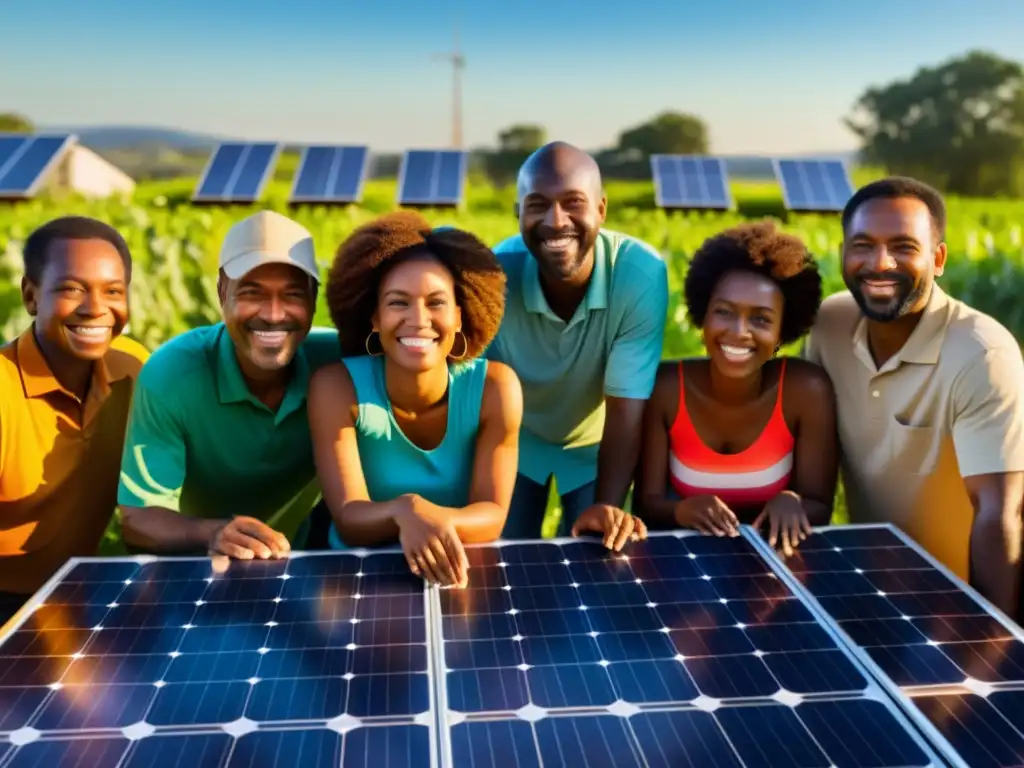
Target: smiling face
point(560, 214)
point(417, 317)
point(268, 314)
point(81, 301)
point(891, 257)
point(743, 323)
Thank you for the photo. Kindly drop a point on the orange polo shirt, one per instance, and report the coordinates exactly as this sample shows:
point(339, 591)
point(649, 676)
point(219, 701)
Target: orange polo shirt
point(60, 459)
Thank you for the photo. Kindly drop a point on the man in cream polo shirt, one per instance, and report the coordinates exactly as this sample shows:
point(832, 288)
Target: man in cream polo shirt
point(929, 392)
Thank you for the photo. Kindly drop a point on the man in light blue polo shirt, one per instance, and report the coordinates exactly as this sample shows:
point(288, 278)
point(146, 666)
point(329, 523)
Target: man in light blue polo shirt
point(218, 456)
point(583, 329)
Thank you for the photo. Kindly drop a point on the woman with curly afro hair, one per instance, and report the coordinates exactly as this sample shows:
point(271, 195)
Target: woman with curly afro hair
point(743, 436)
point(415, 435)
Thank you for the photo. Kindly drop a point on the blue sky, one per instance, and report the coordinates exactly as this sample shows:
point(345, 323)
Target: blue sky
point(772, 76)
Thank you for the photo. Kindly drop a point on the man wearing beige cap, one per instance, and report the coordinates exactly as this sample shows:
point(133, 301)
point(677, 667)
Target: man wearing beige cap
point(218, 456)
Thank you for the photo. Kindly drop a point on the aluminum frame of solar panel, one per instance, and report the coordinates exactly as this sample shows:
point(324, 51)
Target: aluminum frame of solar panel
point(588, 720)
point(228, 191)
point(875, 620)
point(52, 150)
point(366, 596)
point(338, 156)
point(707, 201)
point(834, 200)
point(433, 197)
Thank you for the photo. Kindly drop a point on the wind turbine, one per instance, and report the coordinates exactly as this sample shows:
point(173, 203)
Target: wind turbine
point(458, 62)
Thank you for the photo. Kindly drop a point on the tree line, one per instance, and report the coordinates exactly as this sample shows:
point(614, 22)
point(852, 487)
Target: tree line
point(958, 125)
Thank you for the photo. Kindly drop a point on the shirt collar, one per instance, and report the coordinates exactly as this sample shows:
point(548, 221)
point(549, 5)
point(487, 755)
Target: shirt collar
point(231, 386)
point(37, 378)
point(597, 290)
point(925, 342)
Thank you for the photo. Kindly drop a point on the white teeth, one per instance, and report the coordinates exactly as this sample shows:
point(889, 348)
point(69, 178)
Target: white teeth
point(736, 351)
point(416, 342)
point(558, 242)
point(95, 332)
point(270, 337)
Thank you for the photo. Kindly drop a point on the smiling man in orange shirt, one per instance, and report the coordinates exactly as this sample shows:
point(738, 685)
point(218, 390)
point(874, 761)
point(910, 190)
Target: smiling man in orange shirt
point(65, 389)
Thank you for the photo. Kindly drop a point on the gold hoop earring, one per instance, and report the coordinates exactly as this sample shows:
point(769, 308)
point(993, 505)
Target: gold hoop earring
point(367, 344)
point(465, 347)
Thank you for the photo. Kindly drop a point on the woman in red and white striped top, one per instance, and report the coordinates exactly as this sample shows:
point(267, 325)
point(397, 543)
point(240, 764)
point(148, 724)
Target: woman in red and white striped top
point(743, 436)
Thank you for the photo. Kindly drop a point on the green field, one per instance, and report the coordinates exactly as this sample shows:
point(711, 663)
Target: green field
point(175, 248)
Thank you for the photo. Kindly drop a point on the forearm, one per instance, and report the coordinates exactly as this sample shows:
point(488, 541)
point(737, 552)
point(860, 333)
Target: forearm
point(478, 523)
point(157, 529)
point(658, 511)
point(616, 465)
point(367, 523)
point(995, 559)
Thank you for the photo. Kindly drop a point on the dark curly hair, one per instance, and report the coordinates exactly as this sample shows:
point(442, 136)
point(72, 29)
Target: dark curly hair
point(374, 249)
point(758, 247)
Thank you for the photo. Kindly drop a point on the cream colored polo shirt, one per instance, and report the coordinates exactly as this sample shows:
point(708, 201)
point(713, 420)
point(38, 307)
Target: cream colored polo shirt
point(946, 406)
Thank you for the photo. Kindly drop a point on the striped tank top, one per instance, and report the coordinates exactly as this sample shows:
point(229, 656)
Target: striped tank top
point(748, 479)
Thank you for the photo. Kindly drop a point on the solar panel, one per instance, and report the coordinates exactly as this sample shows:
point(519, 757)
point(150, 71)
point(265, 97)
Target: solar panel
point(953, 660)
point(813, 185)
point(687, 651)
point(26, 160)
point(432, 177)
point(237, 173)
point(329, 174)
point(314, 660)
point(690, 181)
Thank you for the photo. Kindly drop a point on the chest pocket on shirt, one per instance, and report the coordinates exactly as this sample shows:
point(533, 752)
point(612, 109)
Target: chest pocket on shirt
point(913, 450)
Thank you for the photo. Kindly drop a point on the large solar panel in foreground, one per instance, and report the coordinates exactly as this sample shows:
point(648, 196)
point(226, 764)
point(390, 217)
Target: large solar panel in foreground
point(319, 660)
point(958, 662)
point(685, 181)
point(688, 650)
point(237, 172)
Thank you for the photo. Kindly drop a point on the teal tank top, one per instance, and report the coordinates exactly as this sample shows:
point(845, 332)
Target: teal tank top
point(392, 464)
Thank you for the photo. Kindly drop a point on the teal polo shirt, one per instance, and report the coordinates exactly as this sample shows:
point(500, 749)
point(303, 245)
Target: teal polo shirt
point(610, 347)
point(201, 444)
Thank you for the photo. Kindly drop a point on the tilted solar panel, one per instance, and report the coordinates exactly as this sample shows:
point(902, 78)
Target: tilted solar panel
point(813, 185)
point(237, 172)
point(330, 174)
point(26, 160)
point(957, 661)
point(685, 181)
point(432, 177)
point(687, 651)
point(314, 660)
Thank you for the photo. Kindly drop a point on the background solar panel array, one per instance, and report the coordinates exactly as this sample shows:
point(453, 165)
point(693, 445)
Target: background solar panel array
point(813, 185)
point(432, 177)
point(24, 161)
point(958, 663)
point(330, 174)
point(684, 181)
point(237, 172)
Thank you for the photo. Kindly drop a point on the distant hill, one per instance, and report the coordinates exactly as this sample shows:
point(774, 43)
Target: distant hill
point(99, 137)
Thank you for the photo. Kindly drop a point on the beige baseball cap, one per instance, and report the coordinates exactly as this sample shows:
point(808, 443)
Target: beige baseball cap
point(267, 237)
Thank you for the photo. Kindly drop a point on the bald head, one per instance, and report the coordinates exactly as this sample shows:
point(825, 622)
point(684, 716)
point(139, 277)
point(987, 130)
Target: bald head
point(561, 208)
point(560, 163)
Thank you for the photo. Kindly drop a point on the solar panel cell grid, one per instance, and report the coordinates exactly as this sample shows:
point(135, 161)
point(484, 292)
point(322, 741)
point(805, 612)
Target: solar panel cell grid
point(27, 159)
point(121, 658)
point(237, 172)
point(690, 182)
point(330, 174)
point(432, 177)
point(815, 185)
point(960, 665)
point(687, 651)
